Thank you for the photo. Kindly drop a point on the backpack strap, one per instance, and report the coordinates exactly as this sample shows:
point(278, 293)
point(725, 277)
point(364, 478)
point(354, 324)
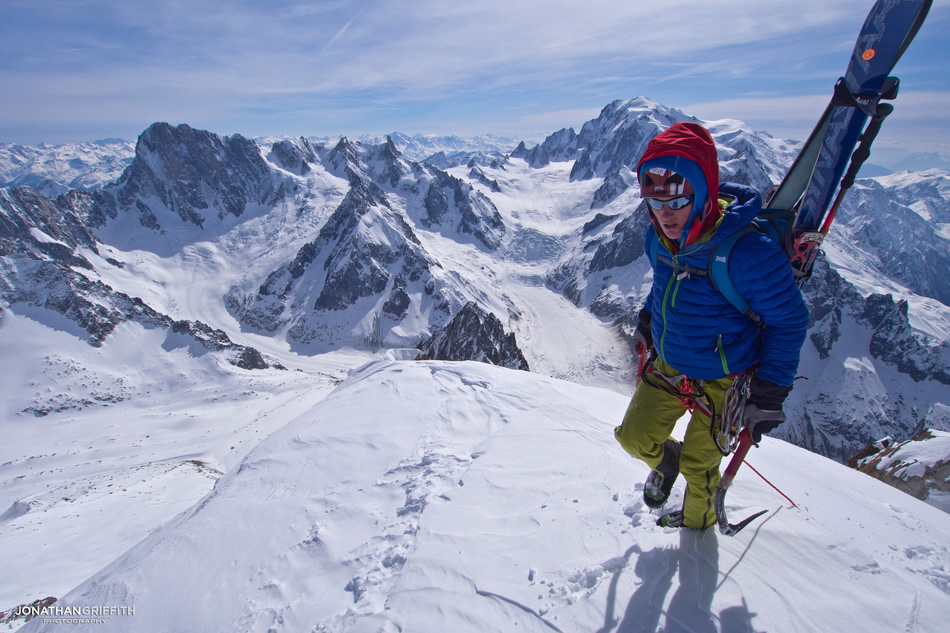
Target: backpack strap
point(679, 270)
point(779, 224)
point(719, 271)
point(653, 245)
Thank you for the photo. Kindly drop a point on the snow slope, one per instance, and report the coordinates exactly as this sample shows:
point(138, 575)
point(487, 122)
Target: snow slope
point(434, 496)
point(102, 445)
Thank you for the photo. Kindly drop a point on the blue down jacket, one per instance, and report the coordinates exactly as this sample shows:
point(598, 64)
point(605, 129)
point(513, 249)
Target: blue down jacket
point(698, 332)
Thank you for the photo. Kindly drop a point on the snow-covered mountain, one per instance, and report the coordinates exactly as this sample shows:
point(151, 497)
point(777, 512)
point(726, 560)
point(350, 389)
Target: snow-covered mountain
point(161, 312)
point(443, 150)
point(367, 279)
point(56, 169)
point(51, 261)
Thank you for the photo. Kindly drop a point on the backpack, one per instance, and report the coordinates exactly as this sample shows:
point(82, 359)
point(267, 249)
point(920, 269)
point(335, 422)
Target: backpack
point(775, 224)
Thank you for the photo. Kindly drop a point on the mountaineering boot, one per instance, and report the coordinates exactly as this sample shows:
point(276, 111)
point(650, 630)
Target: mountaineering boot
point(659, 483)
point(672, 519)
point(657, 489)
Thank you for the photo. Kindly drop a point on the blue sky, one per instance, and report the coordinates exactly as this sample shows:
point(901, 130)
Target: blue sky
point(80, 70)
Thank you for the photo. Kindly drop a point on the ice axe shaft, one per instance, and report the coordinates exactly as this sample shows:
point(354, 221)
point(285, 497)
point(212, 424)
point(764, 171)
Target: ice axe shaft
point(726, 528)
point(643, 356)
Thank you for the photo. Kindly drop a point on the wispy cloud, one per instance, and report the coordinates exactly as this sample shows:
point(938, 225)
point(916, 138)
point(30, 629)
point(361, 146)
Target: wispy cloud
point(790, 112)
point(341, 32)
point(413, 65)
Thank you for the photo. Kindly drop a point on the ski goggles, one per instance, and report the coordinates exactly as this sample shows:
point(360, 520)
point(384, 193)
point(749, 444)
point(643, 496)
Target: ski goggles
point(674, 205)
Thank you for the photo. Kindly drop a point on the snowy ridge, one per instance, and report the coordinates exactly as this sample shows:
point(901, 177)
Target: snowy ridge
point(418, 497)
point(49, 254)
point(103, 444)
point(475, 335)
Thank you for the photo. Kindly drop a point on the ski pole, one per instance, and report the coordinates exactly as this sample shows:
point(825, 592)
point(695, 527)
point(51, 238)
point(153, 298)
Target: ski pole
point(726, 528)
point(807, 244)
point(857, 160)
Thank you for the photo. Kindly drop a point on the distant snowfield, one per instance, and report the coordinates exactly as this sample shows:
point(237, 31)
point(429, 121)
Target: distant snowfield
point(56, 169)
point(572, 344)
point(424, 496)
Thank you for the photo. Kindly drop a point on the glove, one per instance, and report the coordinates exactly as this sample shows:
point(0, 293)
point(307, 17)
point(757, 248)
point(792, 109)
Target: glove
point(643, 336)
point(763, 412)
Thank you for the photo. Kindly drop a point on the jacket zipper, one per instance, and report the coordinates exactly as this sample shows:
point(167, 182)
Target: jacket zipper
point(674, 284)
point(722, 354)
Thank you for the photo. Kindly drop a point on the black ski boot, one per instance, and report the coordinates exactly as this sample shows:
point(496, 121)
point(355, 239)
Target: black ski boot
point(657, 489)
point(659, 483)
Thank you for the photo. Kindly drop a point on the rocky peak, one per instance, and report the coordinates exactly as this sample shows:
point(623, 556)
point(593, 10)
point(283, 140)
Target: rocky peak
point(474, 334)
point(386, 163)
point(34, 226)
point(364, 249)
point(295, 156)
point(193, 174)
point(919, 466)
point(560, 146)
point(382, 164)
point(343, 155)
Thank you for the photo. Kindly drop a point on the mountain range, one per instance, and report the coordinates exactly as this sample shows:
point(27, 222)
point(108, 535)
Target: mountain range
point(55, 169)
point(305, 254)
point(348, 244)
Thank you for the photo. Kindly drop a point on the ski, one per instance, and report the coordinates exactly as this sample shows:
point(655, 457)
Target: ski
point(814, 177)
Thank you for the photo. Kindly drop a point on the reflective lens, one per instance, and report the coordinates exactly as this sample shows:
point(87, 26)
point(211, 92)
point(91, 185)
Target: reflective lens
point(674, 205)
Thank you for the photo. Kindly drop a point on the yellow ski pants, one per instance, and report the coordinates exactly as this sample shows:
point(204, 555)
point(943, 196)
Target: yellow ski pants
point(647, 426)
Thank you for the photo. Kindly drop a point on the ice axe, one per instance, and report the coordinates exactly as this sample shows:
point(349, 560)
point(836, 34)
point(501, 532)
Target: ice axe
point(731, 529)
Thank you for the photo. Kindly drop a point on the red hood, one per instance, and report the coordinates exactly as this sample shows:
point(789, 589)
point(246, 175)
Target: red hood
point(693, 142)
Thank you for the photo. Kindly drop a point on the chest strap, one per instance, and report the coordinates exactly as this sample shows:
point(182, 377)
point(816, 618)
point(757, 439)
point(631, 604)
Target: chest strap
point(683, 270)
